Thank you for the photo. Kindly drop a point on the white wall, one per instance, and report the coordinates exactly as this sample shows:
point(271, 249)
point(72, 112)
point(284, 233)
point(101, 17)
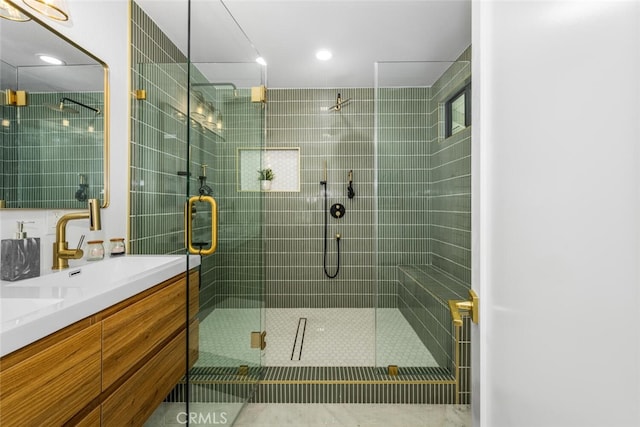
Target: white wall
point(557, 212)
point(101, 27)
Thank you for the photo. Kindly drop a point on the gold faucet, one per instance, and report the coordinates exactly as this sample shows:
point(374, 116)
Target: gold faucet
point(61, 252)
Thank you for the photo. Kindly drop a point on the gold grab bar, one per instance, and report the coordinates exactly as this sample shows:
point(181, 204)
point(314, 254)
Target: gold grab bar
point(189, 225)
point(472, 306)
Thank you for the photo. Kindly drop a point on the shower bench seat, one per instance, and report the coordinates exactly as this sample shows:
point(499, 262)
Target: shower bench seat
point(436, 281)
point(423, 295)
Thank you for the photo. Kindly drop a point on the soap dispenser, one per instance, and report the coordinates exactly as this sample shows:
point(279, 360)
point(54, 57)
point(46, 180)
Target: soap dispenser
point(20, 256)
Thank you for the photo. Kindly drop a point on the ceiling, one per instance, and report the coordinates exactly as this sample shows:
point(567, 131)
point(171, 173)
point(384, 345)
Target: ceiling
point(20, 67)
point(287, 33)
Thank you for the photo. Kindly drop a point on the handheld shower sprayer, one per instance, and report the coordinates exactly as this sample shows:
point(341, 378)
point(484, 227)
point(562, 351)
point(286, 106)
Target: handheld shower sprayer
point(350, 193)
point(326, 230)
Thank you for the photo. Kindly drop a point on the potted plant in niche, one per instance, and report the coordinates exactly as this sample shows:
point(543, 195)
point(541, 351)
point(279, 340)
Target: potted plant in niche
point(265, 178)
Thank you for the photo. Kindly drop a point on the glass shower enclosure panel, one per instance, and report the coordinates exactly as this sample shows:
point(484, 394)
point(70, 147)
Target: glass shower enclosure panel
point(223, 118)
point(424, 216)
point(191, 111)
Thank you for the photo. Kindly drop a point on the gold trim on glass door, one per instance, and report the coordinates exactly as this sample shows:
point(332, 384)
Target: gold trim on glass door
point(189, 225)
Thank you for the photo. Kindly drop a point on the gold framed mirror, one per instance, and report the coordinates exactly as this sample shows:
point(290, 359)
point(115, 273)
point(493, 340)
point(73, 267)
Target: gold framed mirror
point(54, 119)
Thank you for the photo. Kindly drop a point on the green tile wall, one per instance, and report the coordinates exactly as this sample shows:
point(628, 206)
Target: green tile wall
point(294, 222)
point(404, 116)
point(423, 194)
point(232, 276)
point(419, 197)
point(450, 180)
point(42, 157)
point(158, 145)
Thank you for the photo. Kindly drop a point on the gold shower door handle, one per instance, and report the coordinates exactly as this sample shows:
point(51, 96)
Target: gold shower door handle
point(189, 225)
point(472, 306)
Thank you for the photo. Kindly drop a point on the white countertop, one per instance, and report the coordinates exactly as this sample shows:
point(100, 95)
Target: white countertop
point(34, 308)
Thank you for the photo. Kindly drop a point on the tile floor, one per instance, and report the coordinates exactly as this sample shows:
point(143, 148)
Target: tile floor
point(313, 415)
point(333, 337)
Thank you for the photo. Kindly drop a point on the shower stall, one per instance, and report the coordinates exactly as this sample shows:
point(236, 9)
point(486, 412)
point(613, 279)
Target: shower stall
point(272, 326)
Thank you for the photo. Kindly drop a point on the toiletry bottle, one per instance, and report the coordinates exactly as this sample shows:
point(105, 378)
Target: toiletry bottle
point(20, 256)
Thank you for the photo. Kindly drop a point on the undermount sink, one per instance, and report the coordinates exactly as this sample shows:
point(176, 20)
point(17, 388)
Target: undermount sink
point(13, 308)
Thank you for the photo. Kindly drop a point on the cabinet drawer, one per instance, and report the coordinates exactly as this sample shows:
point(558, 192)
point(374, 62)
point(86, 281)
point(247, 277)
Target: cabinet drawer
point(133, 333)
point(136, 399)
point(54, 384)
point(91, 420)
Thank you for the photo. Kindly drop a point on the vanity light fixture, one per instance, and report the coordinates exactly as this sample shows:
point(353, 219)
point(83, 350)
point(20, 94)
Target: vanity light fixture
point(50, 59)
point(324, 55)
point(7, 11)
point(54, 9)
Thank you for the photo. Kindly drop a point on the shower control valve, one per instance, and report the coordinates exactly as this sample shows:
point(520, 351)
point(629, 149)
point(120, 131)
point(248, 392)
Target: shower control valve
point(337, 210)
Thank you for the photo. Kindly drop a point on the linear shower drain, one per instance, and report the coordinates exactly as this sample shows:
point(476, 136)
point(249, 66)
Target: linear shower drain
point(296, 351)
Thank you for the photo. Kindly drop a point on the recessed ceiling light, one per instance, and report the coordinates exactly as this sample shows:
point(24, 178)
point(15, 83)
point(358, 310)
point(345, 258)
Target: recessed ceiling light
point(50, 59)
point(324, 55)
point(260, 60)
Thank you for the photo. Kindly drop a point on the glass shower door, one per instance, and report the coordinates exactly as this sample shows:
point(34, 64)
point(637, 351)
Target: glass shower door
point(222, 119)
point(191, 112)
point(231, 326)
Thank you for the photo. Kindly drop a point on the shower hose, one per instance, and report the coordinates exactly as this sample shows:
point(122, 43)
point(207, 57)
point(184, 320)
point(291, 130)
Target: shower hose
point(326, 226)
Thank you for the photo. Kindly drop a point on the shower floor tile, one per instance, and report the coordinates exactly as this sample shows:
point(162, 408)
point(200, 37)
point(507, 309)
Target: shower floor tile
point(225, 338)
point(397, 343)
point(333, 337)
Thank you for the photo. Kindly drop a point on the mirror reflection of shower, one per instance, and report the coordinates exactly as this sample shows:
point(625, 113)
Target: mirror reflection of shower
point(61, 107)
point(82, 191)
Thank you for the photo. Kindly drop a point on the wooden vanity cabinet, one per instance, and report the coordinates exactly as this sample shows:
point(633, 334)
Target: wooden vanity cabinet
point(49, 386)
point(111, 369)
point(140, 367)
